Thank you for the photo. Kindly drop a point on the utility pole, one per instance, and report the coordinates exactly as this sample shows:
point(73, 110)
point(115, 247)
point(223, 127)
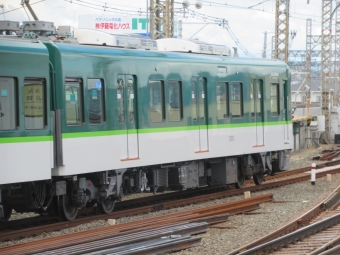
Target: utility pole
point(264, 54)
point(337, 55)
point(27, 3)
point(309, 52)
point(161, 19)
point(326, 63)
point(282, 30)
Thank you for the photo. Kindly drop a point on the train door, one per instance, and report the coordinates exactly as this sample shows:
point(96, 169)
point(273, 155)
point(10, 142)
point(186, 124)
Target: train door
point(127, 116)
point(199, 112)
point(256, 100)
point(286, 114)
point(259, 112)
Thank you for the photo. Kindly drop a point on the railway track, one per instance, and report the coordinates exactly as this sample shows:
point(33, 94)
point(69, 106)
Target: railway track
point(313, 233)
point(23, 228)
point(113, 237)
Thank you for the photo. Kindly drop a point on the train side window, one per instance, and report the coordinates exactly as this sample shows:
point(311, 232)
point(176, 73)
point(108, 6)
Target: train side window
point(236, 100)
point(74, 102)
point(156, 93)
point(274, 99)
point(222, 100)
point(175, 101)
point(8, 103)
point(96, 101)
point(35, 103)
point(120, 99)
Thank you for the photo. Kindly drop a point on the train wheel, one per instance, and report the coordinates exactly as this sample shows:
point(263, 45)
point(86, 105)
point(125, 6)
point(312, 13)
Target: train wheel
point(240, 180)
point(258, 178)
point(7, 212)
point(67, 210)
point(107, 205)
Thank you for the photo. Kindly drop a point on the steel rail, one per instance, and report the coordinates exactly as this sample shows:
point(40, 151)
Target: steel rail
point(327, 203)
point(294, 236)
point(216, 213)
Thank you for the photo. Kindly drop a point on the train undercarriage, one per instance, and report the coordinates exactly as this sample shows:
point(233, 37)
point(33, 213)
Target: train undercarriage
point(64, 196)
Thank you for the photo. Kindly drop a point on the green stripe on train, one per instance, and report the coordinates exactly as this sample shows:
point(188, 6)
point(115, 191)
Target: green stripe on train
point(29, 139)
point(132, 131)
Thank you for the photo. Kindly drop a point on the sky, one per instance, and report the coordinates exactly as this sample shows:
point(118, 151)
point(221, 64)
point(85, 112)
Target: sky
point(247, 19)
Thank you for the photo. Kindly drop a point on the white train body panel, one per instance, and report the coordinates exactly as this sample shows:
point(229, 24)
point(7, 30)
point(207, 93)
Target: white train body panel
point(25, 161)
point(88, 154)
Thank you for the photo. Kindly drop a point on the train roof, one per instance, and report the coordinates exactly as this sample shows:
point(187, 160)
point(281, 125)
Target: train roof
point(112, 51)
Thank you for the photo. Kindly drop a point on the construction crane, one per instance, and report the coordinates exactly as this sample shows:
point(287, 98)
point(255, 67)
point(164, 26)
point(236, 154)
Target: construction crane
point(27, 4)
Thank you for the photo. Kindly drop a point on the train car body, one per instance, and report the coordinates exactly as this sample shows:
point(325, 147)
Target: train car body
point(118, 119)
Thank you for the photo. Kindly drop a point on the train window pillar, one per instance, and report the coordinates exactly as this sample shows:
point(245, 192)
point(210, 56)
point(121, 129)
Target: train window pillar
point(236, 100)
point(222, 100)
point(35, 103)
point(156, 95)
point(74, 102)
point(175, 101)
point(8, 103)
point(96, 101)
point(274, 99)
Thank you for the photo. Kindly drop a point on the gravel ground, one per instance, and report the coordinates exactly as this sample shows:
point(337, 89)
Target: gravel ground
point(243, 228)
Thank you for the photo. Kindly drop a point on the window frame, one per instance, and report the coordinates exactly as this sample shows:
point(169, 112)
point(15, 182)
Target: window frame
point(180, 100)
point(227, 109)
point(102, 95)
point(277, 113)
point(39, 81)
point(80, 82)
point(241, 100)
point(161, 98)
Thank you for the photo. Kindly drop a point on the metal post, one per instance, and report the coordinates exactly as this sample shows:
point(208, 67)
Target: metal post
point(337, 56)
point(147, 18)
point(180, 29)
point(264, 54)
point(282, 30)
point(273, 47)
point(309, 52)
point(326, 64)
point(162, 19)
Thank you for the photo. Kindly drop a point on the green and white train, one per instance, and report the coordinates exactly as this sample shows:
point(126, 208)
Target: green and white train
point(82, 125)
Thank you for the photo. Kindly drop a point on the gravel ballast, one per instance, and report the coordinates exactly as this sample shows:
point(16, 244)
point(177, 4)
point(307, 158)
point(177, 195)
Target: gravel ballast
point(241, 229)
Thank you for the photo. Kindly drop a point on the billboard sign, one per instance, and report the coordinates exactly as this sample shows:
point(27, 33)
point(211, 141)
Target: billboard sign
point(116, 24)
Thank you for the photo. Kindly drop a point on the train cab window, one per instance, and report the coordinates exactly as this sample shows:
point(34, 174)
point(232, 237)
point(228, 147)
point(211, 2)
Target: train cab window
point(156, 93)
point(175, 101)
point(274, 99)
point(96, 101)
point(74, 102)
point(222, 100)
point(8, 103)
point(236, 100)
point(35, 103)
